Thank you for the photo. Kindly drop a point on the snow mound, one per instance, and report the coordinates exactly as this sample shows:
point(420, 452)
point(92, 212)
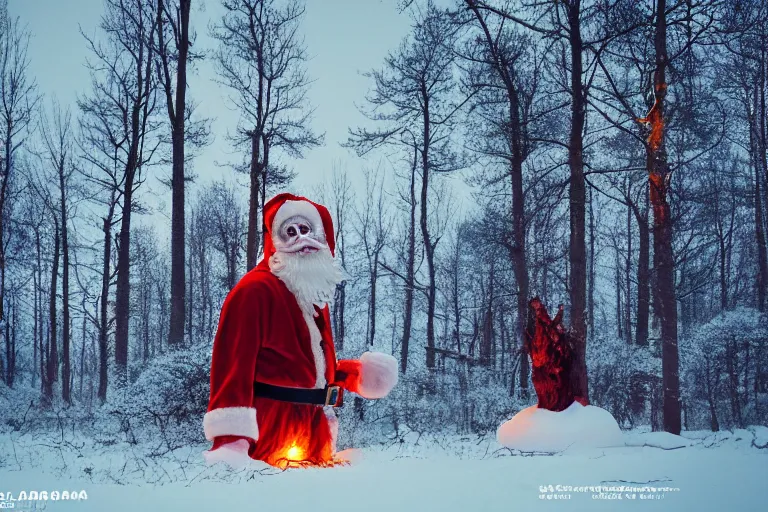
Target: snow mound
point(761, 436)
point(541, 430)
point(663, 440)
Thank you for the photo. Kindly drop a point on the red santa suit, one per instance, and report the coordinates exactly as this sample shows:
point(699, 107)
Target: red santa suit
point(264, 336)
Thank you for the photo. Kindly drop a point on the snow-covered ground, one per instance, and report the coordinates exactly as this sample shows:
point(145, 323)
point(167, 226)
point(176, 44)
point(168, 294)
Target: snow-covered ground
point(705, 471)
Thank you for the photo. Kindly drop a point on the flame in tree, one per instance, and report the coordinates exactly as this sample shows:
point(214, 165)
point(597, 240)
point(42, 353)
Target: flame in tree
point(658, 176)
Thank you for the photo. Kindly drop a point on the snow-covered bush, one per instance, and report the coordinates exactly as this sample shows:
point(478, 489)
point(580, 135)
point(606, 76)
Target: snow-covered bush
point(167, 401)
point(724, 371)
point(432, 402)
point(622, 379)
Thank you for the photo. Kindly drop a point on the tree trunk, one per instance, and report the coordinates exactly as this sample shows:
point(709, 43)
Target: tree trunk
point(619, 322)
point(591, 296)
point(82, 350)
point(339, 300)
point(177, 114)
point(487, 332)
point(4, 184)
point(122, 292)
point(264, 168)
point(53, 353)
point(339, 296)
point(429, 248)
point(517, 249)
point(39, 308)
point(372, 303)
point(10, 340)
point(757, 153)
point(104, 304)
point(713, 422)
point(762, 257)
point(628, 279)
point(410, 270)
point(35, 316)
point(66, 392)
point(643, 276)
point(664, 264)
point(577, 200)
point(252, 242)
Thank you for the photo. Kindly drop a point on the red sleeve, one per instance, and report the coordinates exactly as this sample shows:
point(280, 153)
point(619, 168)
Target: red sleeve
point(233, 364)
point(348, 374)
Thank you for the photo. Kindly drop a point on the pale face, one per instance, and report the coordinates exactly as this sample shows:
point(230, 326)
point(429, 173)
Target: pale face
point(298, 234)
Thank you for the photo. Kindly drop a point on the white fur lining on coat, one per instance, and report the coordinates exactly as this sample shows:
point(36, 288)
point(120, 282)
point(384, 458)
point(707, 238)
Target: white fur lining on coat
point(231, 421)
point(234, 454)
point(315, 340)
point(333, 425)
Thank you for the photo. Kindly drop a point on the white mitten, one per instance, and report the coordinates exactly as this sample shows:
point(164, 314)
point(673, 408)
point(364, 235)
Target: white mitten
point(378, 374)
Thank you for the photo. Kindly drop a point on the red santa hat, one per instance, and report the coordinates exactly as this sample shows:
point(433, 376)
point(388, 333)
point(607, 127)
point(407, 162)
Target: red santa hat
point(286, 205)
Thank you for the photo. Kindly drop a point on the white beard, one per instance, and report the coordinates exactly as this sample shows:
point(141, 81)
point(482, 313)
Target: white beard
point(311, 278)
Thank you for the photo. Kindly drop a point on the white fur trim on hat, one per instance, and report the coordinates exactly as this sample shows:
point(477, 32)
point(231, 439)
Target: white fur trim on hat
point(303, 208)
point(231, 421)
point(378, 374)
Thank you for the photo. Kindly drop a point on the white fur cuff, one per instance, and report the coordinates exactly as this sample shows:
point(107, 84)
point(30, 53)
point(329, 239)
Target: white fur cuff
point(235, 454)
point(231, 421)
point(378, 374)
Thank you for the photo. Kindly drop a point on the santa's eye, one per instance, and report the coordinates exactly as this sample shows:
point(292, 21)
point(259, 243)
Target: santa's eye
point(291, 231)
point(303, 229)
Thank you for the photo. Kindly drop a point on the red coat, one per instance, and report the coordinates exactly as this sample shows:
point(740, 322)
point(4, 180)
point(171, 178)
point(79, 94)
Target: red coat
point(264, 336)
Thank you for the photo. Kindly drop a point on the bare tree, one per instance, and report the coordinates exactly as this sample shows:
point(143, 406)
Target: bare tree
point(341, 197)
point(58, 146)
point(174, 42)
point(18, 101)
point(413, 97)
point(221, 208)
point(567, 23)
point(659, 175)
point(49, 361)
point(118, 111)
point(178, 20)
point(373, 226)
point(507, 71)
point(744, 35)
point(201, 263)
point(261, 57)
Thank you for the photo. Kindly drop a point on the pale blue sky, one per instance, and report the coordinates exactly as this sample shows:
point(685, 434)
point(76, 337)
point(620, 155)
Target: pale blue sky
point(344, 38)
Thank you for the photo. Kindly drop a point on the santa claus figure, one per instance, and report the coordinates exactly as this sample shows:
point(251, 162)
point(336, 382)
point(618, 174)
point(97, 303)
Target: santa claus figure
point(275, 380)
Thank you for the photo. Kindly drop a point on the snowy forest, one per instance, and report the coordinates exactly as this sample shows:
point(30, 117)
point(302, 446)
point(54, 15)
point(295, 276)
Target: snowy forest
point(607, 155)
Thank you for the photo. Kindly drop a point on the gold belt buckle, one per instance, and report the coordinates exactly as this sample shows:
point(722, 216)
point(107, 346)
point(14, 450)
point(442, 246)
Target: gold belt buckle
point(334, 396)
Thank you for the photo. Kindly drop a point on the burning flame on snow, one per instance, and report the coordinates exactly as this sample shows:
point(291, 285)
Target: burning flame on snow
point(294, 453)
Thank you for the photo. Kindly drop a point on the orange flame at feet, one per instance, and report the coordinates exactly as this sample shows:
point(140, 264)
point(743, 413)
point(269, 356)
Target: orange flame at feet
point(294, 453)
point(296, 457)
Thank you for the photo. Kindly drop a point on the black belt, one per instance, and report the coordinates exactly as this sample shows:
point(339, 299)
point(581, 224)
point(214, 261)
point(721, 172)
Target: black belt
point(329, 395)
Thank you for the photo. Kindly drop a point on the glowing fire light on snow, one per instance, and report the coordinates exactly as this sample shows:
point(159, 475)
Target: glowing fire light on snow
point(294, 453)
